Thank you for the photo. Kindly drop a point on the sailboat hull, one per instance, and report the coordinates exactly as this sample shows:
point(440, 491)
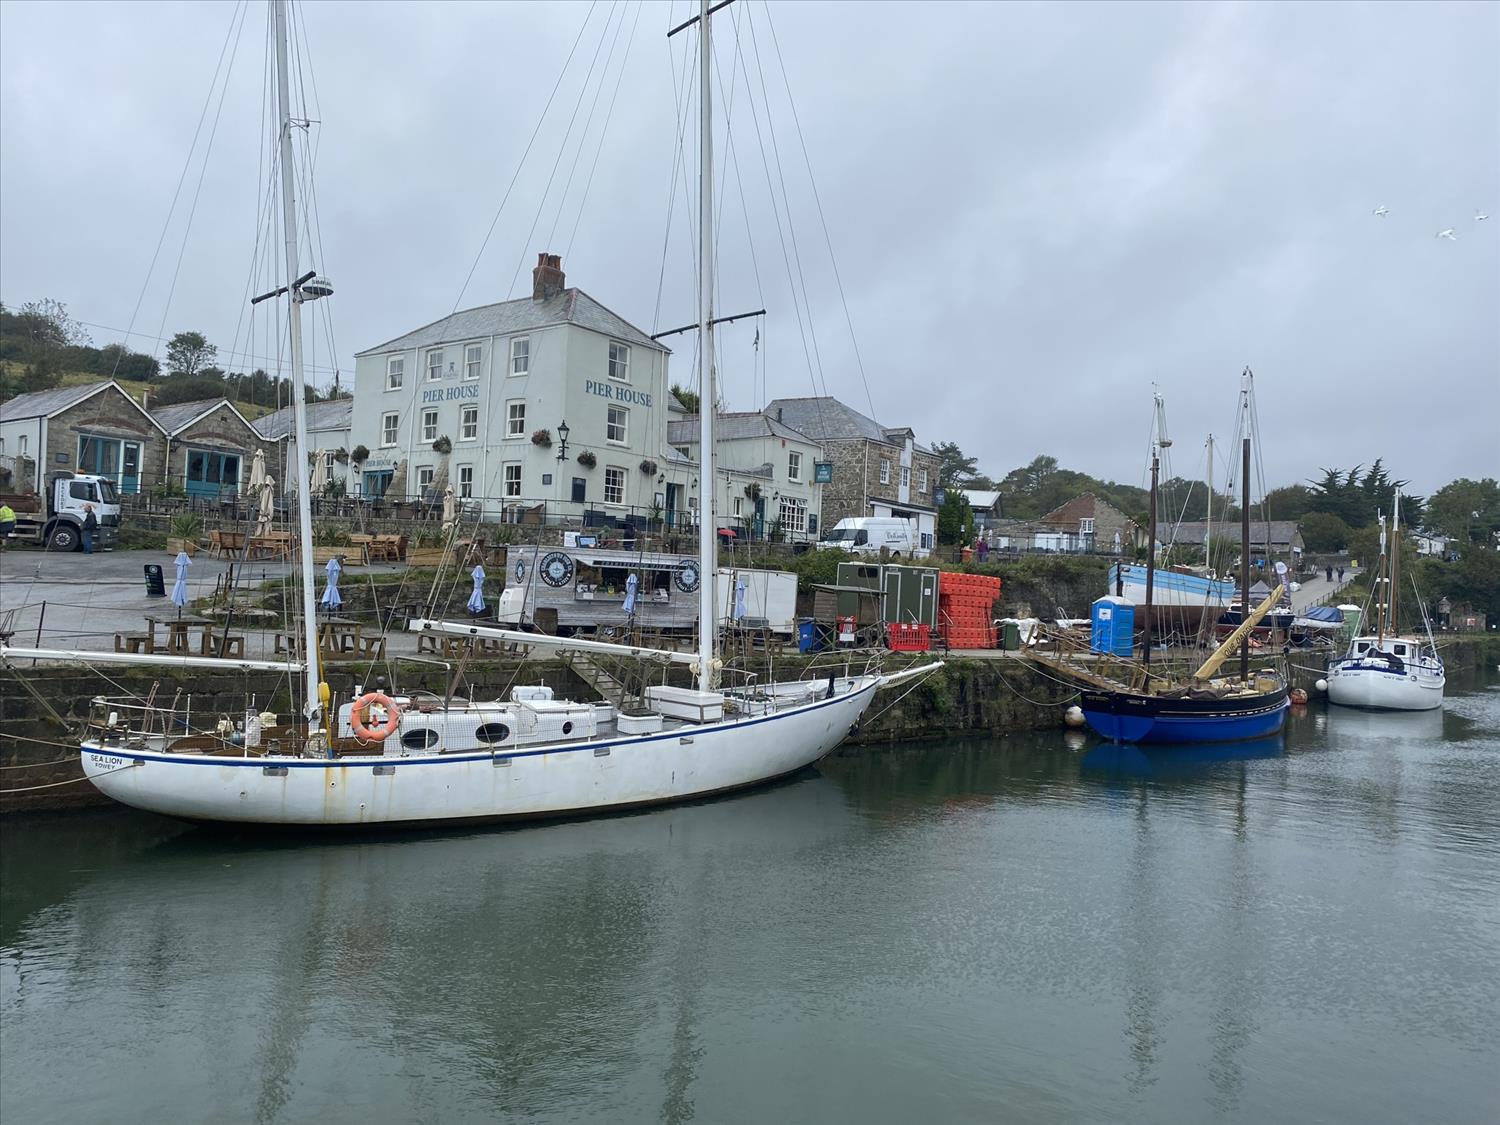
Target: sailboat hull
point(1130, 717)
point(550, 781)
point(1378, 687)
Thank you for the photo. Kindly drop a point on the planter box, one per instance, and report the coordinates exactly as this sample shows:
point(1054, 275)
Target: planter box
point(177, 546)
point(424, 556)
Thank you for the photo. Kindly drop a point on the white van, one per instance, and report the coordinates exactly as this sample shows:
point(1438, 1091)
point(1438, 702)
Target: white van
point(867, 535)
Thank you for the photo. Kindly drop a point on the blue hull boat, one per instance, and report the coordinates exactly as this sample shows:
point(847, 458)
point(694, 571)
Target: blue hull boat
point(1122, 716)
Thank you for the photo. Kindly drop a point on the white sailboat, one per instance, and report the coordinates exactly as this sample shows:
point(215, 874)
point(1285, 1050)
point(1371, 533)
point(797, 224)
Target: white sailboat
point(1388, 670)
point(406, 760)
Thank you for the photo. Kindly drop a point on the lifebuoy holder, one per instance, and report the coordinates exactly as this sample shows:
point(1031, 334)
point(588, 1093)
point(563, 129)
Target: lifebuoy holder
point(362, 706)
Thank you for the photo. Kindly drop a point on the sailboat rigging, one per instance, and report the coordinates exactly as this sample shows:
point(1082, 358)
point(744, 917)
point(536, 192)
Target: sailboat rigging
point(409, 760)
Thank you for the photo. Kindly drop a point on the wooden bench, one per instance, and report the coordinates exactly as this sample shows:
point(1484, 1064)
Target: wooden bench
point(231, 645)
point(225, 543)
point(132, 642)
point(372, 648)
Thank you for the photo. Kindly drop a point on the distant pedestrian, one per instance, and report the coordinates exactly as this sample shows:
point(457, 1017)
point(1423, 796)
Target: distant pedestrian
point(1330, 574)
point(7, 524)
point(1341, 574)
point(90, 525)
point(984, 550)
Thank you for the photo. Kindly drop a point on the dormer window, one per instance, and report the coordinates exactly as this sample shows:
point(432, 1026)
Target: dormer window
point(1086, 526)
point(434, 365)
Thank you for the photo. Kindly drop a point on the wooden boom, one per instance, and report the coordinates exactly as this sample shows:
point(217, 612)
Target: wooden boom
point(1211, 665)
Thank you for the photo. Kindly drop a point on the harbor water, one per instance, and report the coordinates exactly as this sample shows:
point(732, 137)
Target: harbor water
point(1036, 928)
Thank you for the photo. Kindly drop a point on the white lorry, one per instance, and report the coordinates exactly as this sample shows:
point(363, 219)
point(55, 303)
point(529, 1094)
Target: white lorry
point(55, 517)
point(869, 535)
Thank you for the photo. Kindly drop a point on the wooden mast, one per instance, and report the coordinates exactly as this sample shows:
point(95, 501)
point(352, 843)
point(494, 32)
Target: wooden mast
point(1245, 553)
point(1150, 562)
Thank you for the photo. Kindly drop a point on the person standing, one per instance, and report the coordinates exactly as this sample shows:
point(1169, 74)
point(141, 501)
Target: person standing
point(7, 524)
point(1329, 574)
point(1341, 574)
point(90, 525)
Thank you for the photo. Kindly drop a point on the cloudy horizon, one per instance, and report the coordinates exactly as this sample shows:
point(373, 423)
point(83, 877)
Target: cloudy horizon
point(1038, 213)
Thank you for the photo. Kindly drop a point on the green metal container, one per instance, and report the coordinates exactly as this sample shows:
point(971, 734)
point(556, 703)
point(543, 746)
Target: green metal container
point(910, 593)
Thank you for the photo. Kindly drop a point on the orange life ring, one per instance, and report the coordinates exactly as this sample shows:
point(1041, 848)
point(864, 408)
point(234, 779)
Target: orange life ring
point(362, 707)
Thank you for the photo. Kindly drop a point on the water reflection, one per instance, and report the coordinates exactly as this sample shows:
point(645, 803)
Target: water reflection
point(1175, 761)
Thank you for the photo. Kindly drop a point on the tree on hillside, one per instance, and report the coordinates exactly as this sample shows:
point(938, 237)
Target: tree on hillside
point(187, 388)
point(1467, 510)
point(45, 323)
point(688, 398)
point(955, 521)
point(955, 470)
point(119, 362)
point(1289, 503)
point(188, 353)
point(1323, 532)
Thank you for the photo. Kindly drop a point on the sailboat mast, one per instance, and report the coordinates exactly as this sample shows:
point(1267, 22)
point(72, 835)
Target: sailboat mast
point(1395, 628)
point(1382, 578)
point(1208, 525)
point(299, 407)
point(1245, 552)
point(1150, 562)
point(708, 477)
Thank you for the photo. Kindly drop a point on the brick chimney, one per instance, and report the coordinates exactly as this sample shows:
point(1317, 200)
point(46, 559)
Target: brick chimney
point(547, 280)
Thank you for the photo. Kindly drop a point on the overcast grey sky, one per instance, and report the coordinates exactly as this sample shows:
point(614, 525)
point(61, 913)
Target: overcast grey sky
point(1037, 211)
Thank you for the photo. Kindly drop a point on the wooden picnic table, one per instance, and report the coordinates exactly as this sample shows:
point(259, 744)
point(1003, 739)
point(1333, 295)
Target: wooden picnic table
point(274, 545)
point(222, 543)
point(338, 638)
point(178, 632)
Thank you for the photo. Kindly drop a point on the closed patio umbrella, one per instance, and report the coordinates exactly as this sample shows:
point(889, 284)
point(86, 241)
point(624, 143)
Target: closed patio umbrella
point(319, 479)
point(476, 599)
point(450, 510)
point(267, 506)
point(257, 473)
point(179, 588)
point(740, 587)
point(331, 598)
point(630, 587)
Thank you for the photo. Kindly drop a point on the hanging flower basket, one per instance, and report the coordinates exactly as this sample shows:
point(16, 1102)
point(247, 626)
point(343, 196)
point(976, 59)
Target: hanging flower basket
point(442, 445)
point(752, 491)
point(360, 454)
point(342, 456)
point(587, 459)
point(648, 466)
point(542, 438)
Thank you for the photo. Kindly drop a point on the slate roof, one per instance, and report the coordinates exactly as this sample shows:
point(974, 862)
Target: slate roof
point(980, 499)
point(733, 426)
point(1282, 532)
point(335, 414)
point(176, 416)
point(828, 419)
point(569, 306)
point(43, 404)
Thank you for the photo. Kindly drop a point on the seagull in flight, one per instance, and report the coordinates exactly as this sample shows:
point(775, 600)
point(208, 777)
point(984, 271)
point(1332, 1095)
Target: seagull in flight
point(1380, 212)
point(1448, 234)
point(1480, 216)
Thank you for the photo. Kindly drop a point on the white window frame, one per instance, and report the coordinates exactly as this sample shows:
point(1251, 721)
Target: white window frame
point(885, 470)
point(468, 423)
point(623, 477)
point(520, 355)
point(434, 354)
point(327, 462)
point(905, 476)
point(426, 474)
point(793, 465)
point(1086, 525)
point(922, 480)
point(624, 425)
point(473, 360)
point(620, 362)
point(515, 424)
point(793, 515)
point(390, 429)
point(738, 510)
point(429, 425)
point(395, 372)
point(510, 479)
point(465, 482)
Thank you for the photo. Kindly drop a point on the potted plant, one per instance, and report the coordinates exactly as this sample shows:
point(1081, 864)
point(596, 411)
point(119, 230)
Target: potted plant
point(183, 532)
point(360, 454)
point(648, 467)
point(542, 438)
point(587, 459)
point(442, 445)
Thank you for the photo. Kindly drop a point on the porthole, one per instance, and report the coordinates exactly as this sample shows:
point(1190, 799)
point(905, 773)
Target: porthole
point(568, 727)
point(422, 738)
point(492, 732)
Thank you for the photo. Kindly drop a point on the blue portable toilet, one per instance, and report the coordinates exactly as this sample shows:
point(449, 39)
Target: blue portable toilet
point(1113, 621)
